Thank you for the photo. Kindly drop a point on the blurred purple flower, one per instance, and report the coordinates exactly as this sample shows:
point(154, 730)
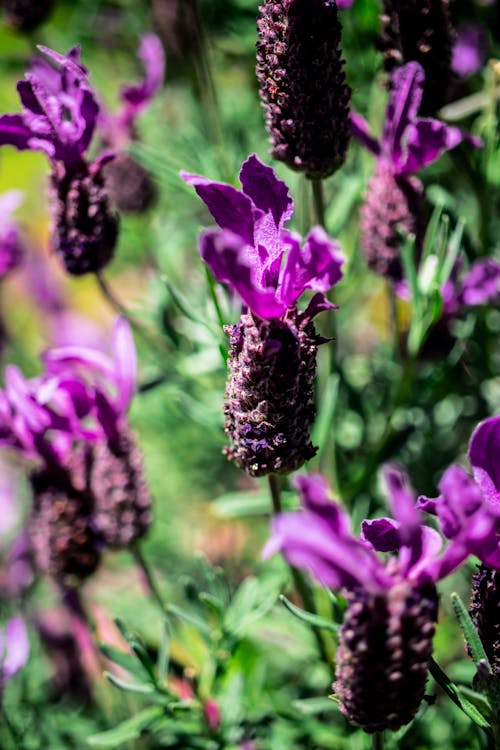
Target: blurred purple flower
point(344, 4)
point(484, 457)
point(118, 129)
point(254, 254)
point(11, 246)
point(478, 286)
point(14, 649)
point(393, 200)
point(59, 118)
point(469, 50)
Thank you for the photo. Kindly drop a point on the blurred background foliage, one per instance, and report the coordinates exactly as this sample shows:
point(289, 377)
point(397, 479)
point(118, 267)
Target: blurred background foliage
point(228, 638)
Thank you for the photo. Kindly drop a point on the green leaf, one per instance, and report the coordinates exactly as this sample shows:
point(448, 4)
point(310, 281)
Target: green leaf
point(324, 421)
point(128, 730)
point(479, 700)
point(313, 706)
point(164, 655)
point(241, 504)
point(122, 659)
point(142, 688)
point(253, 599)
point(203, 627)
point(470, 633)
point(315, 621)
point(453, 692)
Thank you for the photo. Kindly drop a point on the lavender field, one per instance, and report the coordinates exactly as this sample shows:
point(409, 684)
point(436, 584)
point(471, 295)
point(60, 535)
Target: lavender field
point(250, 390)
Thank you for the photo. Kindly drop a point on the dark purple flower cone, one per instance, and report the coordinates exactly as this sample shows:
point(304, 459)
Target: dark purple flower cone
point(62, 535)
point(420, 30)
point(122, 509)
point(383, 656)
point(269, 397)
point(485, 612)
point(302, 84)
point(26, 15)
point(85, 227)
point(391, 211)
point(129, 184)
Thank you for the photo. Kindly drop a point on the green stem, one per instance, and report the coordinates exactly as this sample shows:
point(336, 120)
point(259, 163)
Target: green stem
point(378, 741)
point(299, 580)
point(392, 301)
point(148, 577)
point(319, 202)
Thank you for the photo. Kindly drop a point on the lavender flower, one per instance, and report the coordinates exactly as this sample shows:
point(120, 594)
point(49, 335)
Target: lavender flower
point(420, 31)
point(386, 637)
point(460, 511)
point(477, 286)
point(130, 185)
point(59, 117)
point(14, 649)
point(469, 50)
point(272, 361)
point(26, 15)
point(394, 197)
point(302, 84)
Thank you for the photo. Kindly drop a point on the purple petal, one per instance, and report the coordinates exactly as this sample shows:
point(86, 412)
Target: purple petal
point(460, 499)
point(481, 284)
point(402, 502)
point(427, 139)
point(469, 50)
point(233, 263)
point(153, 59)
point(315, 497)
point(266, 191)
point(9, 202)
point(14, 647)
point(382, 533)
point(316, 266)
point(318, 303)
point(14, 132)
point(125, 360)
point(230, 208)
point(361, 131)
point(343, 4)
point(484, 456)
point(406, 94)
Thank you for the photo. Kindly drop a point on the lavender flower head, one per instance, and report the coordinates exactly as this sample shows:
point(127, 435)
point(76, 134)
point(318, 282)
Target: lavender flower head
point(393, 201)
point(386, 638)
point(272, 360)
point(302, 84)
point(458, 508)
point(11, 246)
point(131, 186)
point(14, 649)
point(59, 118)
point(420, 31)
point(469, 50)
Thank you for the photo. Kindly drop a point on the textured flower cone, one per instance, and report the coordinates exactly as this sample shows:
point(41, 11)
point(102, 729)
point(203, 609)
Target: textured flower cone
point(302, 84)
point(122, 510)
point(26, 15)
point(130, 186)
point(269, 398)
point(485, 612)
point(392, 209)
point(62, 535)
point(85, 228)
point(420, 30)
point(383, 656)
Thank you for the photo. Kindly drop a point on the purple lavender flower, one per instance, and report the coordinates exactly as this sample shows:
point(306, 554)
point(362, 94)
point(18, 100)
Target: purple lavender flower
point(460, 509)
point(477, 286)
point(469, 50)
point(393, 201)
point(386, 637)
point(59, 118)
point(14, 649)
point(302, 84)
point(272, 360)
point(130, 185)
point(11, 246)
point(420, 31)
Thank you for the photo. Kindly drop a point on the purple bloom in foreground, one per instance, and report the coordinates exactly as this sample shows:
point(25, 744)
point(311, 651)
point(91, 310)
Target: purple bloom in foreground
point(386, 638)
point(14, 649)
point(272, 361)
point(59, 118)
point(393, 201)
point(477, 286)
point(460, 509)
point(130, 185)
point(469, 50)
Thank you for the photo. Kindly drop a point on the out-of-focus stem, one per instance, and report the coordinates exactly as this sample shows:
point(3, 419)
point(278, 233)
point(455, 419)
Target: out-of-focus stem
point(392, 301)
point(378, 741)
point(148, 577)
point(299, 580)
point(319, 202)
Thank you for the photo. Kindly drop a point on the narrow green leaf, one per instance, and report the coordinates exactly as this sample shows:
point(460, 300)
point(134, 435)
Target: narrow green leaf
point(479, 700)
point(470, 633)
point(128, 730)
point(324, 421)
point(188, 617)
point(142, 688)
point(408, 258)
point(122, 659)
point(315, 621)
point(164, 655)
point(212, 602)
point(453, 692)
